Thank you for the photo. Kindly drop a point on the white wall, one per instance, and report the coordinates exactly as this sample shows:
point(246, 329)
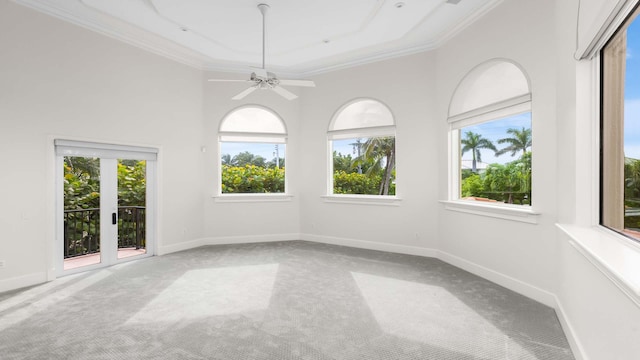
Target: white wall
point(601, 320)
point(257, 220)
point(522, 251)
point(406, 86)
point(59, 79)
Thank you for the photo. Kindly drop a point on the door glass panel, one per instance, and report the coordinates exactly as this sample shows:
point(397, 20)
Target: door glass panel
point(81, 211)
point(132, 190)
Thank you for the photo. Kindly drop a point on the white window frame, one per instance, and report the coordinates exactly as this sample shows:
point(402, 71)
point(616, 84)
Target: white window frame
point(252, 137)
point(519, 104)
point(355, 133)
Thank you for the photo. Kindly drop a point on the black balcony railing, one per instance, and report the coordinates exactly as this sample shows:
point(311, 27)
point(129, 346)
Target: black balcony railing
point(82, 230)
point(131, 227)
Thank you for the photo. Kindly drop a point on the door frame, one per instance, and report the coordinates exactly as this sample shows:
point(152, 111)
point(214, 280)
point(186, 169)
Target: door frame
point(104, 151)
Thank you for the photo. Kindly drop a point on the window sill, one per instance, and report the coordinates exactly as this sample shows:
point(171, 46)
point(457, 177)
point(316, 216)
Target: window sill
point(500, 211)
point(617, 257)
point(251, 198)
point(363, 199)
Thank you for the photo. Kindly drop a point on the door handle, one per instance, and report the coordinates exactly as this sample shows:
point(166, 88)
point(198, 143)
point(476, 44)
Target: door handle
point(114, 218)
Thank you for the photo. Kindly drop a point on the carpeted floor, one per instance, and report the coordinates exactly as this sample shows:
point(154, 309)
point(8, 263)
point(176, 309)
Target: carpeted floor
point(285, 300)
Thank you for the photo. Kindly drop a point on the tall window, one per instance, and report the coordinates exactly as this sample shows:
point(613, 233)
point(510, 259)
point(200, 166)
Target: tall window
point(620, 130)
point(362, 145)
point(490, 126)
point(252, 147)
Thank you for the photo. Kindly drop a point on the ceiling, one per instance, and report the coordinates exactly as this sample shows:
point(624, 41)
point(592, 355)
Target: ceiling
point(303, 37)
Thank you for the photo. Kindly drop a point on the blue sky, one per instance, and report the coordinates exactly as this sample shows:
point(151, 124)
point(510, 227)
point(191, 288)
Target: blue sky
point(494, 131)
point(343, 146)
point(632, 93)
point(267, 151)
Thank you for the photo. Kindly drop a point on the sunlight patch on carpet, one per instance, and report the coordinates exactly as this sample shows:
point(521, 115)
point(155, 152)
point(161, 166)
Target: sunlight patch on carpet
point(432, 315)
point(54, 297)
point(211, 292)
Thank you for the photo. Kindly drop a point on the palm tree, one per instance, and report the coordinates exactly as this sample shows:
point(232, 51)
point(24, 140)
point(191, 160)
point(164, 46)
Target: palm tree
point(519, 141)
point(226, 159)
point(475, 142)
point(380, 150)
point(631, 177)
point(357, 146)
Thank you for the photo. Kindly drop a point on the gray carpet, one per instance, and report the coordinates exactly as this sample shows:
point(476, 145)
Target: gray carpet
point(285, 300)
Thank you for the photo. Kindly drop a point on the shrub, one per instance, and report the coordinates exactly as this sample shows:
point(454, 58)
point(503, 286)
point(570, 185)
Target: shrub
point(251, 179)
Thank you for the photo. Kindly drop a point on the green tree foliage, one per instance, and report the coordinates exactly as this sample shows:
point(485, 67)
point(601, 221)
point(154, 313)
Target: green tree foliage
point(81, 183)
point(354, 183)
point(226, 159)
point(246, 158)
point(252, 179)
point(505, 180)
point(132, 183)
point(632, 192)
point(475, 142)
point(382, 152)
point(632, 178)
point(272, 163)
point(343, 163)
point(371, 173)
point(82, 192)
point(520, 140)
point(472, 185)
point(509, 183)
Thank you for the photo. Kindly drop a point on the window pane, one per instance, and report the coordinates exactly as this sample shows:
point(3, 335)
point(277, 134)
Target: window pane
point(620, 165)
point(81, 211)
point(364, 166)
point(495, 161)
point(249, 167)
point(632, 133)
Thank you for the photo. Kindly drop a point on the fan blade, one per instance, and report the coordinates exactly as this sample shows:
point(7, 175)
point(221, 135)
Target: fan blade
point(244, 93)
point(285, 93)
point(229, 80)
point(260, 72)
point(305, 83)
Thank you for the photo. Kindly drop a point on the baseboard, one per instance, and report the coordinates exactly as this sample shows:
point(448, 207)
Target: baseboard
point(371, 245)
point(574, 342)
point(247, 239)
point(222, 240)
point(168, 249)
point(513, 284)
point(507, 281)
point(23, 281)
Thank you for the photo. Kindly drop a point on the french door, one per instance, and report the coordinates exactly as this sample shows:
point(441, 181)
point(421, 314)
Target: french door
point(105, 204)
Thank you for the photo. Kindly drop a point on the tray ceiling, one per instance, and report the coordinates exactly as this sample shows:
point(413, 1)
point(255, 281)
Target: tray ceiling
point(303, 37)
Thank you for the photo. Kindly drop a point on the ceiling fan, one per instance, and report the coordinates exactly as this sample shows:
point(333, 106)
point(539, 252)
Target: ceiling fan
point(264, 80)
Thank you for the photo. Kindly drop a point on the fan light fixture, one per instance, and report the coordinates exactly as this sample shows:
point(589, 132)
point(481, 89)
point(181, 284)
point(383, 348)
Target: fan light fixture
point(264, 80)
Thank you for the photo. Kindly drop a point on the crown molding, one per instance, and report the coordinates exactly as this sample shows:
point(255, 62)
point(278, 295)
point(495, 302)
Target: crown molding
point(135, 36)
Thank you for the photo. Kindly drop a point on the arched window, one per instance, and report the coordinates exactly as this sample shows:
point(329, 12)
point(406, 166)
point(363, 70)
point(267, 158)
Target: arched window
point(252, 147)
point(490, 126)
point(362, 146)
